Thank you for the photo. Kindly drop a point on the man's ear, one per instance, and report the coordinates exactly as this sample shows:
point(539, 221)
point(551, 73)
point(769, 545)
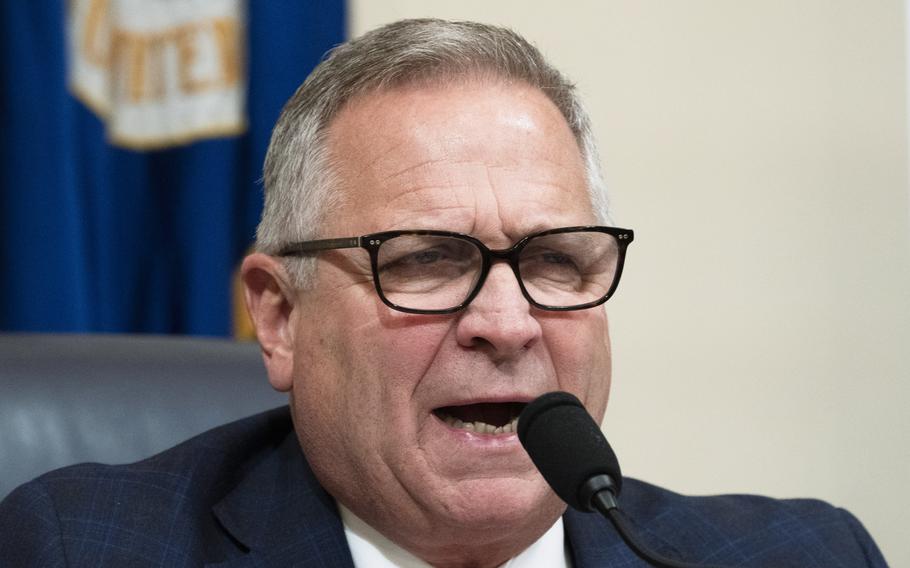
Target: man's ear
point(270, 300)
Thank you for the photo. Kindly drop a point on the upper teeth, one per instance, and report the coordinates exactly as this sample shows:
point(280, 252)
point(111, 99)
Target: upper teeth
point(481, 427)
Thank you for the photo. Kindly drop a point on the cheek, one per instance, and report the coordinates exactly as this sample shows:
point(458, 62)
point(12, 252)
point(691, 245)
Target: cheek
point(581, 354)
point(361, 379)
point(338, 409)
point(406, 346)
point(354, 396)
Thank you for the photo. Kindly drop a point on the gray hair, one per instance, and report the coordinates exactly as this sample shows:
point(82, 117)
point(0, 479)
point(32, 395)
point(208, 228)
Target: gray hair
point(298, 175)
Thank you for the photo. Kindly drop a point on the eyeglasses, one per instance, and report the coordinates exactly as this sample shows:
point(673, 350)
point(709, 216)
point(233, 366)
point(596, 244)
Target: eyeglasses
point(440, 272)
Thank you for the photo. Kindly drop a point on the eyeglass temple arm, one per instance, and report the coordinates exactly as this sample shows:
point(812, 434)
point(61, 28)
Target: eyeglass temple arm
point(321, 244)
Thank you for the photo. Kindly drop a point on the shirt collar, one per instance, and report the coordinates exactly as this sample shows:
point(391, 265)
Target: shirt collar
point(370, 548)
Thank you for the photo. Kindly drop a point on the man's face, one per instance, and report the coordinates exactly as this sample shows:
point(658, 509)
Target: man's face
point(497, 162)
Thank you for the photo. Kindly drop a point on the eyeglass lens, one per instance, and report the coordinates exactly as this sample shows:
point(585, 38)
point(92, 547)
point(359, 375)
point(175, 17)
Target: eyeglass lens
point(433, 272)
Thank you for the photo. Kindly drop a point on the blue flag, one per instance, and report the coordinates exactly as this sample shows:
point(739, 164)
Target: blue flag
point(132, 147)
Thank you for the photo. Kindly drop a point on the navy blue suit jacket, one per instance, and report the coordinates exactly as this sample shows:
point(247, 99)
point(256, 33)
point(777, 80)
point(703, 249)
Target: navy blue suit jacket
point(243, 495)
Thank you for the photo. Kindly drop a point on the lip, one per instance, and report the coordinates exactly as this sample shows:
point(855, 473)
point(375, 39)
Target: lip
point(498, 399)
point(473, 439)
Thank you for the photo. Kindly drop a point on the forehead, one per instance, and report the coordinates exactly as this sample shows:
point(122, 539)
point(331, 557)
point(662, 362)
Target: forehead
point(487, 158)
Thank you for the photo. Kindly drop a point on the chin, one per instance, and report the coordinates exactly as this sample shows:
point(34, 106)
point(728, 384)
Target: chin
point(486, 504)
point(487, 519)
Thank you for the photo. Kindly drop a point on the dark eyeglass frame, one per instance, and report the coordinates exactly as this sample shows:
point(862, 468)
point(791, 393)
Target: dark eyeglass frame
point(373, 241)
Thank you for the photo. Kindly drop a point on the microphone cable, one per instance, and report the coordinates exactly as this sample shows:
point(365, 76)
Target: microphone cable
point(574, 457)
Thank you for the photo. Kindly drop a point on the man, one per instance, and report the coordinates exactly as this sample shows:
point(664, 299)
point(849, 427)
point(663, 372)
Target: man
point(432, 256)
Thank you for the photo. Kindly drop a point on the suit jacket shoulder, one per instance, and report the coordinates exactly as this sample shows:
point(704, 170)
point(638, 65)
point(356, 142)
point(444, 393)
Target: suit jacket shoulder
point(225, 497)
point(726, 530)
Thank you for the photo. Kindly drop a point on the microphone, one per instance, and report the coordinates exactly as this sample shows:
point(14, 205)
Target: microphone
point(573, 455)
point(569, 449)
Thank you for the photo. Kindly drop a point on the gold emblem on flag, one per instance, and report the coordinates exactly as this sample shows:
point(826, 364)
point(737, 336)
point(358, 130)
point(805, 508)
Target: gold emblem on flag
point(159, 72)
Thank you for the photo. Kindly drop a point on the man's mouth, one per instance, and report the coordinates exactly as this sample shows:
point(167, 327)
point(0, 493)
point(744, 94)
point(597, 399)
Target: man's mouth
point(483, 418)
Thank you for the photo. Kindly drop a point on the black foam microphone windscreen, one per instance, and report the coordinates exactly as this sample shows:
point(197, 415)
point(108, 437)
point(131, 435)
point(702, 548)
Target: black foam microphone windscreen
point(566, 445)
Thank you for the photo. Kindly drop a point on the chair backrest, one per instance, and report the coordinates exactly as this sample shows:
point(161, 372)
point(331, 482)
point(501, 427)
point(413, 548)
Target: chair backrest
point(67, 399)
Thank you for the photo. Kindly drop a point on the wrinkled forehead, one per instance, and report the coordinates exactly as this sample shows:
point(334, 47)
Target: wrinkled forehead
point(453, 150)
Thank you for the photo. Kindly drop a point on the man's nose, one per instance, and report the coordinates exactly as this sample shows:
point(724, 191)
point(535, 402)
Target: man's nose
point(499, 319)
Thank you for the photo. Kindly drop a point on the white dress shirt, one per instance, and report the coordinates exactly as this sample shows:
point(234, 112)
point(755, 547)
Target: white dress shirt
point(370, 549)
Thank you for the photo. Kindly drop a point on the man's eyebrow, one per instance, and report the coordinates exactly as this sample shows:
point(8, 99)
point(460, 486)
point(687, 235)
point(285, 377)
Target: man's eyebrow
point(538, 226)
point(535, 228)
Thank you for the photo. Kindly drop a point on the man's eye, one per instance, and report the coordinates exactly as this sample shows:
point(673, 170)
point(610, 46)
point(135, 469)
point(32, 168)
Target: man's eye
point(417, 259)
point(550, 268)
point(421, 257)
point(550, 259)
point(556, 258)
point(427, 262)
point(424, 257)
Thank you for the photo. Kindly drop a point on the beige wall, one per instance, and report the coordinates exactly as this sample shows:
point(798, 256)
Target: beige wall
point(759, 150)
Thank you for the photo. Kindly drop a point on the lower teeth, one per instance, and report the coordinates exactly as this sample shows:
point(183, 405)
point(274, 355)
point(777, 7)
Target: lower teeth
point(481, 427)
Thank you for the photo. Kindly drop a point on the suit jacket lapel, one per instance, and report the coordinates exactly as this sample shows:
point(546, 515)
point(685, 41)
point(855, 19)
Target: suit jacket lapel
point(282, 516)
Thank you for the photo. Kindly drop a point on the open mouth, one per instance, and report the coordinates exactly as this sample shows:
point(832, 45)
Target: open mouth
point(483, 418)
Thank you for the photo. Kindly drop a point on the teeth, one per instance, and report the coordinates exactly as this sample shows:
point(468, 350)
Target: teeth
point(481, 427)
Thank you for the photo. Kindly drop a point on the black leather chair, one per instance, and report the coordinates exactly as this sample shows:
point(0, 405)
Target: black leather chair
point(67, 399)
